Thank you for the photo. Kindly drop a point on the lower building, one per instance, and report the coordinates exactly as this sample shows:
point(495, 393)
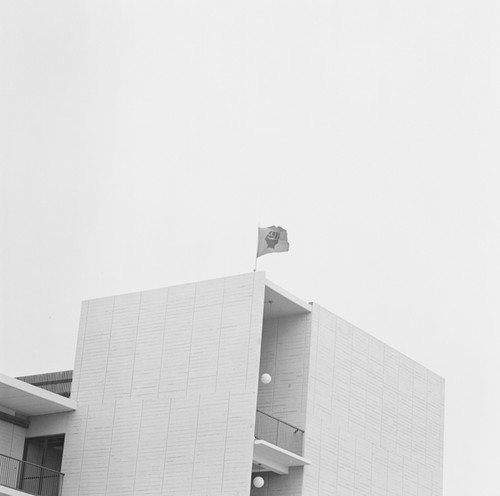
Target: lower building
point(227, 387)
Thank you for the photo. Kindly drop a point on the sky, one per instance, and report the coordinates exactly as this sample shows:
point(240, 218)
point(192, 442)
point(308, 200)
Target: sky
point(142, 143)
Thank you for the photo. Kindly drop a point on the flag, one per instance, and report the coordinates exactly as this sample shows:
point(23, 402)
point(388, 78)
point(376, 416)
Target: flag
point(272, 240)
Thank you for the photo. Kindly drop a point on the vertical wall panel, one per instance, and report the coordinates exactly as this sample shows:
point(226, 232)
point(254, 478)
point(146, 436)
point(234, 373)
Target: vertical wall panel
point(285, 356)
point(152, 447)
point(149, 342)
point(177, 340)
point(74, 446)
point(12, 439)
point(93, 350)
point(121, 350)
point(124, 448)
point(166, 383)
point(208, 463)
point(386, 408)
point(95, 451)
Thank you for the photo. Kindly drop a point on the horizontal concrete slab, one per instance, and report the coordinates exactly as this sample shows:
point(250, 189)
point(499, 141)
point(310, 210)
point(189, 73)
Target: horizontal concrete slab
point(269, 457)
point(29, 400)
point(7, 491)
point(279, 303)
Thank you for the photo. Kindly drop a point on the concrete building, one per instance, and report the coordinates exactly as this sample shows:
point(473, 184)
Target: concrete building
point(166, 399)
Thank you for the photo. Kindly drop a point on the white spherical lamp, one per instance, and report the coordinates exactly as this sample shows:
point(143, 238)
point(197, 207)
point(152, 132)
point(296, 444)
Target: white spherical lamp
point(265, 378)
point(258, 482)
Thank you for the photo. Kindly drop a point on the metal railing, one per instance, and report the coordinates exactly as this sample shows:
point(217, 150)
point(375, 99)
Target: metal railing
point(278, 432)
point(30, 478)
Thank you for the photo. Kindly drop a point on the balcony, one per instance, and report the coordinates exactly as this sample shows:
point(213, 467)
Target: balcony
point(29, 400)
point(277, 446)
point(17, 475)
point(278, 432)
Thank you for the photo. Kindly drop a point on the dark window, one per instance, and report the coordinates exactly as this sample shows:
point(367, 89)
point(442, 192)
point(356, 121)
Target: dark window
point(44, 457)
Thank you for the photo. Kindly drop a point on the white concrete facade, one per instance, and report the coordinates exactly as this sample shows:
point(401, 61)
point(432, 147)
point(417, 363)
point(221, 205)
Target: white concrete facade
point(373, 418)
point(166, 384)
point(11, 439)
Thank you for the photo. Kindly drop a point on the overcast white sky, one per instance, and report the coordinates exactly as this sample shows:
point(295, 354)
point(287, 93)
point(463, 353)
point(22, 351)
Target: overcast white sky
point(137, 139)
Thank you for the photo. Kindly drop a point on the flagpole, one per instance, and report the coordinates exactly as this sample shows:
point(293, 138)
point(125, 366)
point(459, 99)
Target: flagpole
point(258, 231)
point(257, 252)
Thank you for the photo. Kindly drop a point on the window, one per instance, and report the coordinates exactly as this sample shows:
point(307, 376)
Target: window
point(44, 458)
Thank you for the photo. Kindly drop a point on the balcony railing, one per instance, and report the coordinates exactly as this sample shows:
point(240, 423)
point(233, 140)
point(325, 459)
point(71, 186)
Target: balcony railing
point(278, 432)
point(29, 478)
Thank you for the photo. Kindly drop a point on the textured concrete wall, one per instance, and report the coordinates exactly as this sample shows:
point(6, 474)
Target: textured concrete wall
point(374, 417)
point(281, 485)
point(166, 383)
point(11, 444)
point(47, 425)
point(285, 355)
point(12, 439)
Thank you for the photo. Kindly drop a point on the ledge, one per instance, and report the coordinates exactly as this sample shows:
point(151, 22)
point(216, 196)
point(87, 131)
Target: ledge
point(284, 304)
point(269, 457)
point(29, 400)
point(7, 491)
